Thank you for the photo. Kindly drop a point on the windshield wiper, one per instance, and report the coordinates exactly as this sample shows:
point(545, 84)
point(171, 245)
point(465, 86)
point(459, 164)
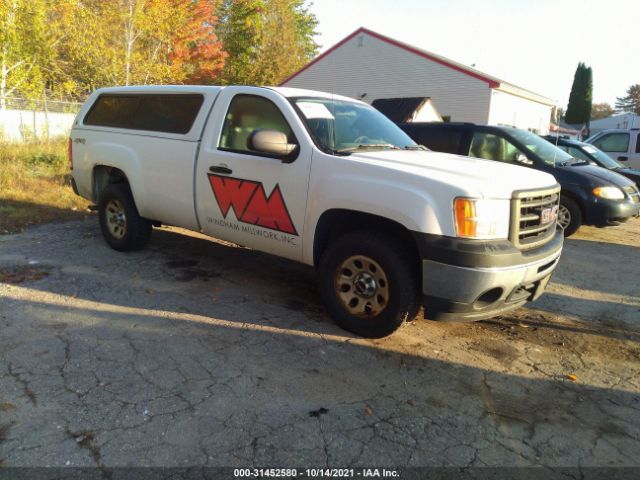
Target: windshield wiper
point(416, 147)
point(367, 146)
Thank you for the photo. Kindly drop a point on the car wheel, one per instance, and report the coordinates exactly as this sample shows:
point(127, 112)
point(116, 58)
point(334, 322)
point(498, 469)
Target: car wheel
point(369, 284)
point(121, 225)
point(569, 216)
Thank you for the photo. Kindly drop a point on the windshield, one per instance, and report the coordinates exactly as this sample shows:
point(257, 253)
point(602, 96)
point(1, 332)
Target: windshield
point(548, 152)
point(602, 158)
point(341, 127)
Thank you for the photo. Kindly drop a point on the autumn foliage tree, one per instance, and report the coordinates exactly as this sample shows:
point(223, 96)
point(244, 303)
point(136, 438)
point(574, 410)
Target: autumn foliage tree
point(25, 48)
point(601, 110)
point(124, 42)
point(195, 51)
point(71, 47)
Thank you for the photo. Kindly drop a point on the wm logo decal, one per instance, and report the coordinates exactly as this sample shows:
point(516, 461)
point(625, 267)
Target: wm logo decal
point(250, 203)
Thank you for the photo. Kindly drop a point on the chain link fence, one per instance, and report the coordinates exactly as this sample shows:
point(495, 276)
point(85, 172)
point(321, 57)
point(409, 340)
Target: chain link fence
point(25, 120)
point(44, 105)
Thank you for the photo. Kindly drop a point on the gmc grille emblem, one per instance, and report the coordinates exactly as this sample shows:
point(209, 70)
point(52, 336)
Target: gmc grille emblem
point(549, 215)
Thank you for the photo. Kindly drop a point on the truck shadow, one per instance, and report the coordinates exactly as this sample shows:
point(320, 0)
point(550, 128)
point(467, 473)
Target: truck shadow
point(16, 215)
point(191, 274)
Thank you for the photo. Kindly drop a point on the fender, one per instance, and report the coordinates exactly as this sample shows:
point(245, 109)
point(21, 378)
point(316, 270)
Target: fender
point(125, 159)
point(416, 211)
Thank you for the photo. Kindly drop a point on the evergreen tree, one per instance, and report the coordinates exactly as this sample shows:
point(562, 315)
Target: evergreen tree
point(580, 98)
point(631, 101)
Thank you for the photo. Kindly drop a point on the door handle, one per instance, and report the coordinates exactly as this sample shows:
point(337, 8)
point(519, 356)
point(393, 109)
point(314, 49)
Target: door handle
point(221, 169)
point(623, 159)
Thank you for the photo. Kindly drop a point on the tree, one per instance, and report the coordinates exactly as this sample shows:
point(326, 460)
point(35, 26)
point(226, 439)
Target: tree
point(124, 42)
point(240, 29)
point(25, 48)
point(631, 101)
point(196, 52)
point(266, 40)
point(579, 108)
point(601, 110)
point(69, 48)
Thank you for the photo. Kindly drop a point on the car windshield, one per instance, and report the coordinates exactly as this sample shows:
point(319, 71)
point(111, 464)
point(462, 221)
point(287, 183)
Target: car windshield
point(602, 158)
point(342, 127)
point(548, 152)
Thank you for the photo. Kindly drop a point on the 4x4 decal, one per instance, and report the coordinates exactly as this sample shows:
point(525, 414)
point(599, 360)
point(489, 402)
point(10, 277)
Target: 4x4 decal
point(251, 204)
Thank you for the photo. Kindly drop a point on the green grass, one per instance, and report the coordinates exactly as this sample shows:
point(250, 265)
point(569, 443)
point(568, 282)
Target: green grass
point(35, 185)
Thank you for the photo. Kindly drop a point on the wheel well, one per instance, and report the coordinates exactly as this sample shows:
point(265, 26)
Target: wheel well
point(576, 199)
point(334, 223)
point(104, 176)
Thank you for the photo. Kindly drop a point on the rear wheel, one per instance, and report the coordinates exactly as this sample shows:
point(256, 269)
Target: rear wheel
point(121, 225)
point(569, 216)
point(368, 283)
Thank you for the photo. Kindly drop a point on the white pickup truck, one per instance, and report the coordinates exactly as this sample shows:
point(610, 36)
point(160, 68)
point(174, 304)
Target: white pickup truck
point(327, 181)
point(621, 145)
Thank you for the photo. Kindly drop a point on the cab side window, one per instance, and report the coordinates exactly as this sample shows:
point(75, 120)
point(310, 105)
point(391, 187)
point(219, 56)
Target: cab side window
point(577, 153)
point(493, 147)
point(246, 114)
point(613, 142)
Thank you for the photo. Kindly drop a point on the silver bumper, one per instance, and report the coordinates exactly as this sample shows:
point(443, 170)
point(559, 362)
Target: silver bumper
point(462, 293)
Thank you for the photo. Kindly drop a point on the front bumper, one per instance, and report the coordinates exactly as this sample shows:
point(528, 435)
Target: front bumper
point(602, 213)
point(456, 292)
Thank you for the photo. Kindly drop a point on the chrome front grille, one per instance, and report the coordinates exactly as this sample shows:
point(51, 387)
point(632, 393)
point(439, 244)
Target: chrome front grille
point(533, 217)
point(633, 193)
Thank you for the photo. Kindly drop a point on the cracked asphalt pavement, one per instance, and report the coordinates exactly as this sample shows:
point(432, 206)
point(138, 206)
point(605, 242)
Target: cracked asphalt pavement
point(196, 352)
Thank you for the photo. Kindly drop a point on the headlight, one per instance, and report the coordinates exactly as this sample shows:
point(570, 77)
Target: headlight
point(480, 218)
point(610, 193)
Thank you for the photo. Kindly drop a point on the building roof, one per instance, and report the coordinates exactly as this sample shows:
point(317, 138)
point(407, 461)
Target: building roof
point(564, 128)
point(492, 81)
point(399, 110)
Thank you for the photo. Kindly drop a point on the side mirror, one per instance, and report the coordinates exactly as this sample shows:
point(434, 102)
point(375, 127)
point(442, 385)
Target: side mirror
point(522, 158)
point(271, 142)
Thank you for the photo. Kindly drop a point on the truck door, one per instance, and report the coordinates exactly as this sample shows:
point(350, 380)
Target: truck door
point(634, 152)
point(254, 199)
point(621, 146)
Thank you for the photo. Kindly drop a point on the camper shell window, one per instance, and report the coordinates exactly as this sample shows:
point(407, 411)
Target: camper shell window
point(148, 112)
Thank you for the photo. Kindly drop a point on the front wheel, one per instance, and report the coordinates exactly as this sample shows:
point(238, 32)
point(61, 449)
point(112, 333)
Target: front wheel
point(369, 284)
point(121, 225)
point(569, 216)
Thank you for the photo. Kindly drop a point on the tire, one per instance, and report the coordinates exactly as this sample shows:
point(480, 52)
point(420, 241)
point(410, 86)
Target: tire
point(569, 216)
point(121, 225)
point(369, 284)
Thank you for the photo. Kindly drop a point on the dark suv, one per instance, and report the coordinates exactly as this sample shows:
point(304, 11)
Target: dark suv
point(591, 195)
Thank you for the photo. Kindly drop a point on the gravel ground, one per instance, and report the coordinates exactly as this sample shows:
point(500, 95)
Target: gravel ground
point(194, 352)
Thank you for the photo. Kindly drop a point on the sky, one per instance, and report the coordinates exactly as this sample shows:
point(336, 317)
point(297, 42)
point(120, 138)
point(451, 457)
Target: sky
point(535, 44)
